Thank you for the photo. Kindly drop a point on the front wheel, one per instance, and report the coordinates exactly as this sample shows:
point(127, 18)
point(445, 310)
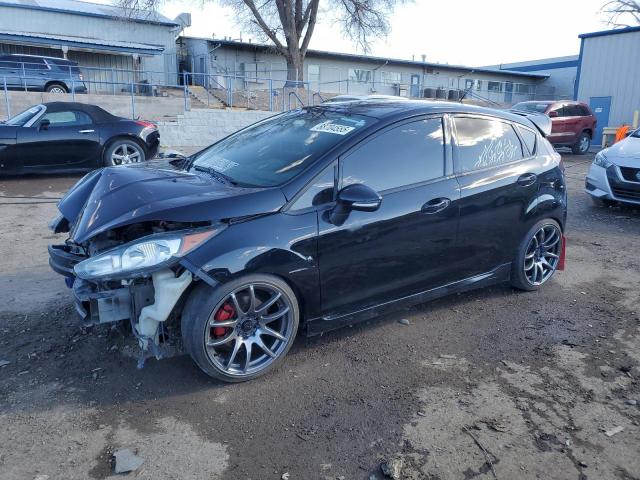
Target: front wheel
point(123, 152)
point(538, 256)
point(241, 329)
point(581, 147)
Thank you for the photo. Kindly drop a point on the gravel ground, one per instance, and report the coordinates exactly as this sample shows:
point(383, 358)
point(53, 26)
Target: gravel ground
point(490, 384)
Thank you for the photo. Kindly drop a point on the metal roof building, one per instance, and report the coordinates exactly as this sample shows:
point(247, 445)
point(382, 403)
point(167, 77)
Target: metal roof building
point(608, 76)
point(332, 72)
point(119, 44)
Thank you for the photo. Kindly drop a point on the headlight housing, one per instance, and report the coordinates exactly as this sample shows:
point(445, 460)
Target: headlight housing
point(143, 255)
point(601, 160)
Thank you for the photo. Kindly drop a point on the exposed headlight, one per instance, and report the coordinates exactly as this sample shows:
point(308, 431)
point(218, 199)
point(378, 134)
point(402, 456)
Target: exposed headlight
point(601, 160)
point(143, 255)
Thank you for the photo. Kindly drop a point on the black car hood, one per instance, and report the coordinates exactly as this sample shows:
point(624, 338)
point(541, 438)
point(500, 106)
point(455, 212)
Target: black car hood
point(118, 196)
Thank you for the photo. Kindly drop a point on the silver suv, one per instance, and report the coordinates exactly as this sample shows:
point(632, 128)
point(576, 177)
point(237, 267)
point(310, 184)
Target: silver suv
point(42, 74)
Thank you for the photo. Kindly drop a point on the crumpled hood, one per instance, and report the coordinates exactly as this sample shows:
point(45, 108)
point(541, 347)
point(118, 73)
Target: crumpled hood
point(155, 191)
point(625, 153)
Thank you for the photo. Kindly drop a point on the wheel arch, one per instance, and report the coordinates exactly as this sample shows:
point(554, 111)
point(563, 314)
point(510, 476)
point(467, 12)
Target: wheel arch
point(51, 83)
point(123, 136)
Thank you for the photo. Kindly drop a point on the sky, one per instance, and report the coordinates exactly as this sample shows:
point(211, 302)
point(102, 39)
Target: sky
point(464, 32)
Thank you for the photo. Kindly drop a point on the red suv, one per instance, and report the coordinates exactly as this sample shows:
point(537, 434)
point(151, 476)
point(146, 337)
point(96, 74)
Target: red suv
point(573, 122)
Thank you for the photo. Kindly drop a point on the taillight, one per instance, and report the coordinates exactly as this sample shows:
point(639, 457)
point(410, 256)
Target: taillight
point(146, 124)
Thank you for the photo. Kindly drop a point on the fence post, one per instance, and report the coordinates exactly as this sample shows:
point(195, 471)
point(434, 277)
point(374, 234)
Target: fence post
point(270, 94)
point(73, 90)
point(6, 99)
point(231, 89)
point(186, 91)
point(113, 80)
point(133, 102)
point(24, 77)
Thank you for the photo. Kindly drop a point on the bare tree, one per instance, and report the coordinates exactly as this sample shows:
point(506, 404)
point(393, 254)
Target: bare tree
point(622, 13)
point(289, 24)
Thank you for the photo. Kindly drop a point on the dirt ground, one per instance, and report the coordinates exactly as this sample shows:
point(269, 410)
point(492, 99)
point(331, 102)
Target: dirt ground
point(492, 384)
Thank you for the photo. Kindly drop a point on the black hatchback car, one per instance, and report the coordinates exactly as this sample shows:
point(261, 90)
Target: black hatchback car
point(41, 74)
point(315, 218)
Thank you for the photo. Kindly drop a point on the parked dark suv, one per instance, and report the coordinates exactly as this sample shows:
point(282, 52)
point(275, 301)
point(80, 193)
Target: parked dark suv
point(42, 74)
point(313, 219)
point(573, 123)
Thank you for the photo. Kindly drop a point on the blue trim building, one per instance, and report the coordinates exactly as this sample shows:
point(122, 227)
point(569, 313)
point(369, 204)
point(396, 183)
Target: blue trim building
point(607, 76)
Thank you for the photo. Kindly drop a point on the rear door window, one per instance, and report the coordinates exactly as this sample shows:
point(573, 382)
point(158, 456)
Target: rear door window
point(399, 156)
point(529, 138)
point(485, 142)
point(571, 111)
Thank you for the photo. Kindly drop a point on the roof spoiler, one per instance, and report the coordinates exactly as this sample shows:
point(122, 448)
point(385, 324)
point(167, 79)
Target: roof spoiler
point(540, 120)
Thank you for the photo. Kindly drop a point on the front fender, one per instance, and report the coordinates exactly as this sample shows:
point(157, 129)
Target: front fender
point(281, 244)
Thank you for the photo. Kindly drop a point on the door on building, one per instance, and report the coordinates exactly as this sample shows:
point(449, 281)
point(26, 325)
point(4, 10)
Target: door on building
point(415, 86)
point(508, 92)
point(601, 107)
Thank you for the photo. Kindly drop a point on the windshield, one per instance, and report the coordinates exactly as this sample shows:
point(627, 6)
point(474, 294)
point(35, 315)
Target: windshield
point(21, 119)
point(530, 107)
point(277, 149)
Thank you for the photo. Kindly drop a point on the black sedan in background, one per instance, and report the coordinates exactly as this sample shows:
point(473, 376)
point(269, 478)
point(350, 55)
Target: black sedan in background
point(316, 219)
point(66, 136)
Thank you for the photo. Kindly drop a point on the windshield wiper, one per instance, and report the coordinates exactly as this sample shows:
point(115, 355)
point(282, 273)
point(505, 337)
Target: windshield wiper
point(219, 176)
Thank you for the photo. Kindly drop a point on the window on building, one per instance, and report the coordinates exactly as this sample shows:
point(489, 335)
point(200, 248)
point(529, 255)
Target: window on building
point(404, 155)
point(390, 78)
point(494, 86)
point(313, 73)
point(359, 75)
point(524, 88)
point(484, 142)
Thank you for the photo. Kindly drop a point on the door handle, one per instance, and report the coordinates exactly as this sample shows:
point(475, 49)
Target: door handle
point(527, 179)
point(86, 131)
point(436, 205)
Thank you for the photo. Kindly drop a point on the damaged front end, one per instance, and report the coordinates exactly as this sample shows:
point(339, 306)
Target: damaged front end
point(133, 273)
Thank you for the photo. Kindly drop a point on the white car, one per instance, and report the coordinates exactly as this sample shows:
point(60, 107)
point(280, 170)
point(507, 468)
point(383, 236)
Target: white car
point(614, 175)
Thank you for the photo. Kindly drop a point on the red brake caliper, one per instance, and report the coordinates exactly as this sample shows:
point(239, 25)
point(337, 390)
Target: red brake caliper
point(223, 314)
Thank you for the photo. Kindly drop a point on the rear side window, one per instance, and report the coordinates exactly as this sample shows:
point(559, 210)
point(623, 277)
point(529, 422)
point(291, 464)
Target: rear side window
point(34, 63)
point(67, 118)
point(484, 142)
point(407, 154)
point(571, 111)
point(529, 139)
point(584, 111)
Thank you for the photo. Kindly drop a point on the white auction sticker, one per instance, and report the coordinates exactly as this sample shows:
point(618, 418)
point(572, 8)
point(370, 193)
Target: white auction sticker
point(328, 127)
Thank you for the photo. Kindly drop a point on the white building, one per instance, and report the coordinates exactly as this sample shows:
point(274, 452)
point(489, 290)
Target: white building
point(117, 44)
point(261, 67)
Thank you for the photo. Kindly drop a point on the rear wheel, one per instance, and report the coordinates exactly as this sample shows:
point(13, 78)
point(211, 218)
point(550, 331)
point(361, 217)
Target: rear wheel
point(241, 329)
point(56, 88)
point(538, 256)
point(581, 147)
point(123, 152)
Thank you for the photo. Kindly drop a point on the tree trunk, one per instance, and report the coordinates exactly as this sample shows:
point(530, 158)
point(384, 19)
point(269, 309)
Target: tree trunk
point(295, 67)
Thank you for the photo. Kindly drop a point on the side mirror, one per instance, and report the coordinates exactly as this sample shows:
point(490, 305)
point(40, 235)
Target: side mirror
point(359, 197)
point(354, 197)
point(44, 125)
point(553, 114)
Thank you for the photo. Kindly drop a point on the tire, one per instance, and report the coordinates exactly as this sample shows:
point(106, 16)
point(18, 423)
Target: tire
point(56, 88)
point(521, 275)
point(603, 202)
point(123, 152)
point(201, 314)
point(582, 145)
